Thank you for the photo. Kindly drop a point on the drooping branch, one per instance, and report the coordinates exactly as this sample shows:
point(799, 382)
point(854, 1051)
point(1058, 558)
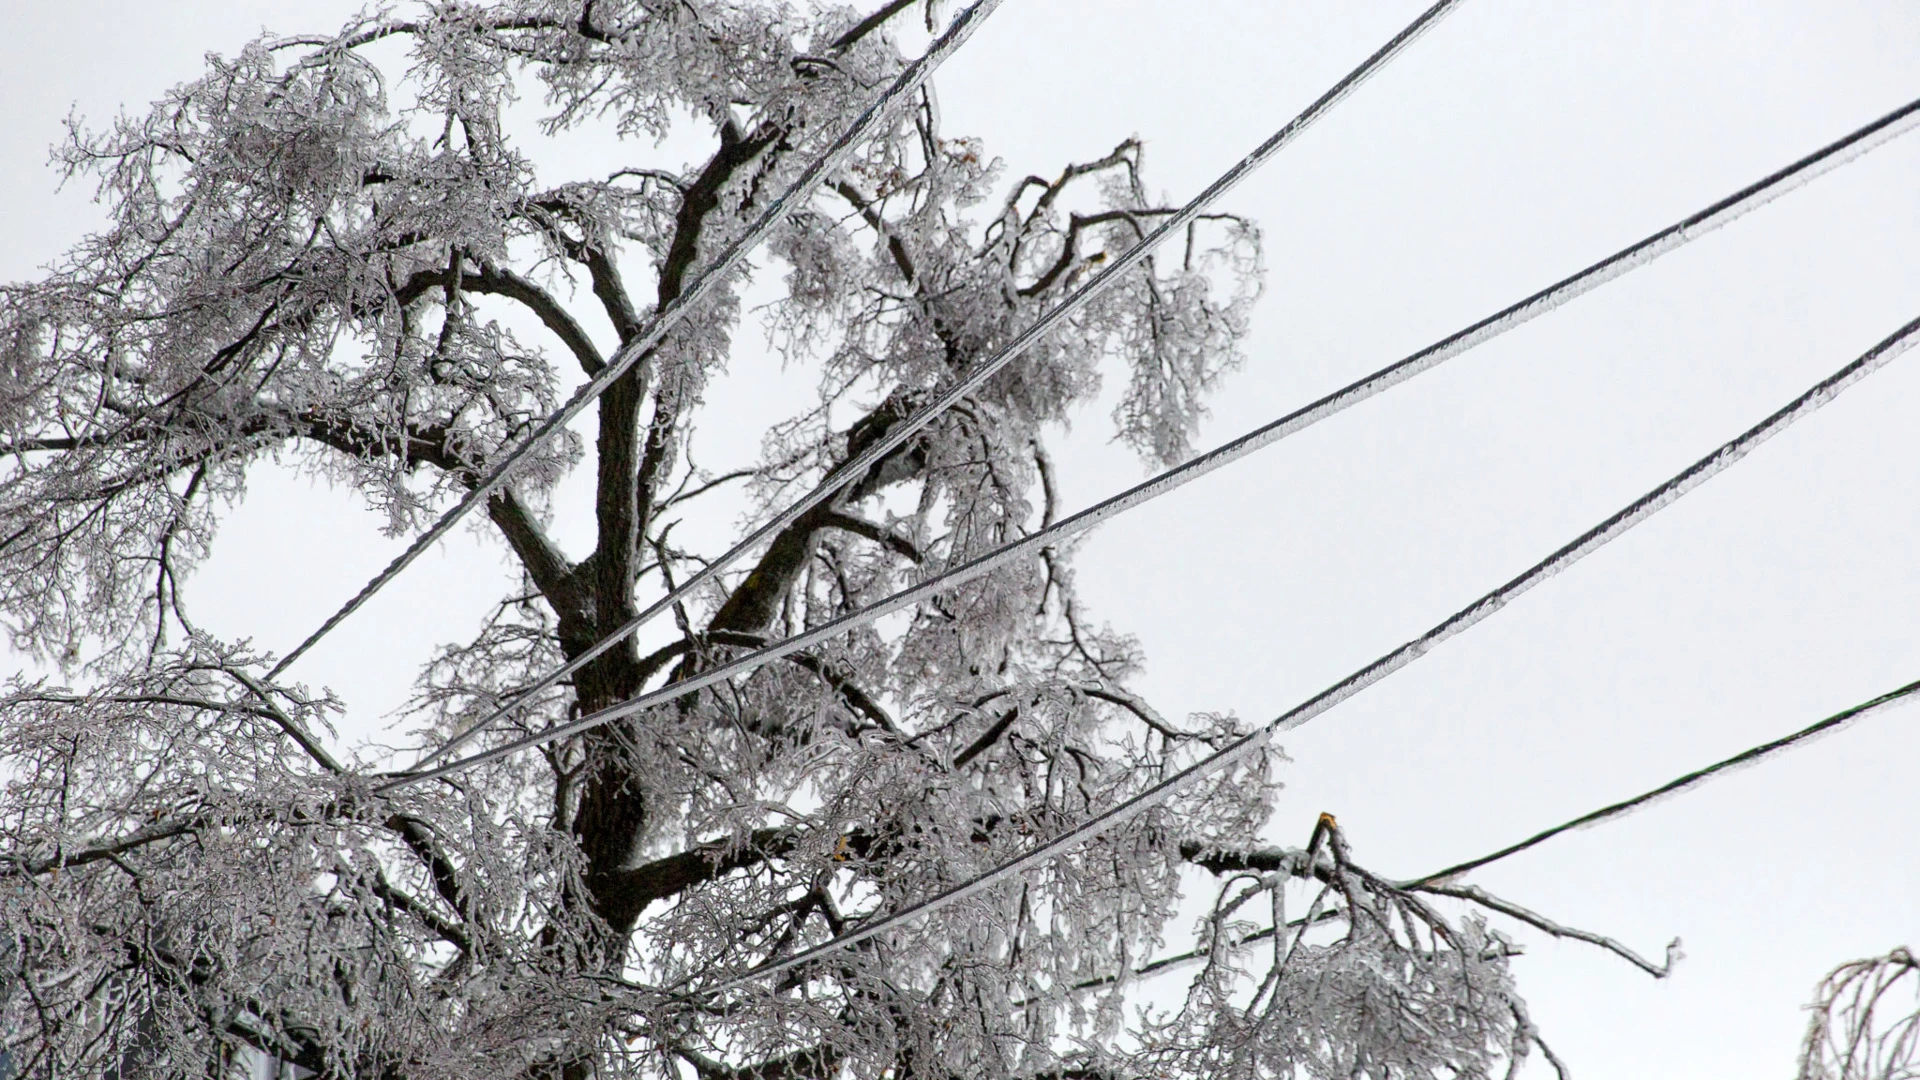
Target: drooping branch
point(441, 869)
point(1540, 922)
point(492, 279)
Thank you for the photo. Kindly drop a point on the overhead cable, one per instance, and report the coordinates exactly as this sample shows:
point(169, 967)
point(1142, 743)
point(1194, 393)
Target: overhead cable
point(1750, 756)
point(1507, 318)
point(897, 435)
point(1581, 546)
point(703, 285)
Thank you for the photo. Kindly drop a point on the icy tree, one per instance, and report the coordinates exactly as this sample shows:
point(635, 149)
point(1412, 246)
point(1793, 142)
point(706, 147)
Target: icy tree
point(340, 252)
point(1866, 1022)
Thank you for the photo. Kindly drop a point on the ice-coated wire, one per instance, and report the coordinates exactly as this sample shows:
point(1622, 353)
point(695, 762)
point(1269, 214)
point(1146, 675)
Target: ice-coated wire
point(900, 433)
point(710, 278)
point(1694, 225)
point(1581, 546)
point(1750, 756)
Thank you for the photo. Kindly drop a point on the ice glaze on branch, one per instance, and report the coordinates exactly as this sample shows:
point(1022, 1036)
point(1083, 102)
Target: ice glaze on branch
point(305, 261)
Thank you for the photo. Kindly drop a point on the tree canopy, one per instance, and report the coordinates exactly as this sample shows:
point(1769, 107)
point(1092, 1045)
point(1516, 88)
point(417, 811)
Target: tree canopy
point(335, 251)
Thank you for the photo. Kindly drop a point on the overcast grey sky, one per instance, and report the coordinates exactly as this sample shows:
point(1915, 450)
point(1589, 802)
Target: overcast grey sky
point(1516, 143)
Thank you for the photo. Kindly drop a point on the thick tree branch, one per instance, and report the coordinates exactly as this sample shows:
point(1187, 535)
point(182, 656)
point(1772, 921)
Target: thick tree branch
point(17, 865)
point(814, 1063)
point(538, 555)
point(401, 901)
point(543, 561)
point(850, 692)
point(628, 891)
point(756, 600)
point(591, 252)
point(441, 870)
point(415, 444)
point(629, 489)
point(491, 279)
point(1222, 861)
point(986, 739)
point(626, 473)
point(903, 261)
point(896, 248)
point(871, 23)
point(874, 531)
point(504, 282)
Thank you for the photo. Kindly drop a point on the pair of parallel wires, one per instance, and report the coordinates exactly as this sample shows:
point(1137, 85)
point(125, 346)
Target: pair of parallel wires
point(909, 81)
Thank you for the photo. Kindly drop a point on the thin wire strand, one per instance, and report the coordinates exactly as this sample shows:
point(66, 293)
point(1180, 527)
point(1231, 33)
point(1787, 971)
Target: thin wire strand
point(1750, 756)
point(1580, 547)
point(668, 317)
point(1514, 315)
point(899, 434)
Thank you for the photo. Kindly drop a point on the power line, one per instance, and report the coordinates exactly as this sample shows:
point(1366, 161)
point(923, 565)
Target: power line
point(900, 433)
point(1581, 546)
point(1713, 216)
point(1750, 756)
point(668, 317)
